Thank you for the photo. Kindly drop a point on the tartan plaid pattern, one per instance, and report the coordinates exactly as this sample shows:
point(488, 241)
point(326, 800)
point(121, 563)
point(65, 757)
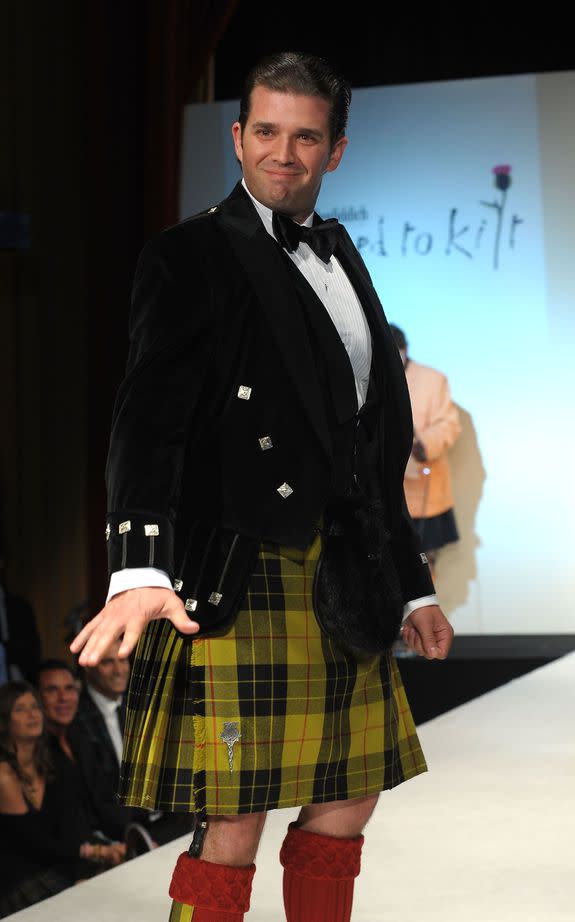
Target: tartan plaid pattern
point(181, 913)
point(272, 714)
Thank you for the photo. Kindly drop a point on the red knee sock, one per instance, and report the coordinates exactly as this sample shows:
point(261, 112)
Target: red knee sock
point(319, 872)
point(217, 892)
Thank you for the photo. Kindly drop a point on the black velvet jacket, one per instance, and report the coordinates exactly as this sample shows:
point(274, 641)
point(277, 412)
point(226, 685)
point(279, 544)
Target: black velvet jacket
point(220, 435)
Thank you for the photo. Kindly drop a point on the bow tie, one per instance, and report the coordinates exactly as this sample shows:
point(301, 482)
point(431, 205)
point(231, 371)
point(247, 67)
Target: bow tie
point(322, 238)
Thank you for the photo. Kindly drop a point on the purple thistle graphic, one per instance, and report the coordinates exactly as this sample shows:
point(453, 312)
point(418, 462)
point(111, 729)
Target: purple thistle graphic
point(502, 174)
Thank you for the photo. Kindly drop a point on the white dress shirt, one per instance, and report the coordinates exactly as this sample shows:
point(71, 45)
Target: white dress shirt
point(338, 296)
point(109, 711)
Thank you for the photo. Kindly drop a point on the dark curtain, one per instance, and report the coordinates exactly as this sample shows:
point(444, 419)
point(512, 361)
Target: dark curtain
point(146, 62)
point(182, 37)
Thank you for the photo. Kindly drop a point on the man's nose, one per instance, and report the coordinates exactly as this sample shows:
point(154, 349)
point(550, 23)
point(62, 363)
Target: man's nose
point(284, 151)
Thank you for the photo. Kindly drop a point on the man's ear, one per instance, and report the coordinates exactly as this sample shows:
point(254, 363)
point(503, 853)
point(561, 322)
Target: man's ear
point(336, 155)
point(237, 136)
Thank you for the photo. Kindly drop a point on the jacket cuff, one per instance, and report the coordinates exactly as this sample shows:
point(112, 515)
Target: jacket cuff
point(137, 538)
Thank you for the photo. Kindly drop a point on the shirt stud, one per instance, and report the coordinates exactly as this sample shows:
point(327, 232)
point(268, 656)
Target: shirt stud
point(108, 532)
point(178, 585)
point(151, 531)
point(123, 527)
point(285, 490)
point(215, 598)
point(191, 604)
point(244, 392)
point(265, 443)
point(424, 558)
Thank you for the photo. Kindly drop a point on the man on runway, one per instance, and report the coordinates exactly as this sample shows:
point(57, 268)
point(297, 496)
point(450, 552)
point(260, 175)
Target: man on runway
point(263, 392)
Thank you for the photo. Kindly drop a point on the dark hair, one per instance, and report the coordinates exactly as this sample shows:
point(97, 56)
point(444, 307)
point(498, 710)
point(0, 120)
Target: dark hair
point(399, 336)
point(48, 665)
point(305, 74)
point(10, 692)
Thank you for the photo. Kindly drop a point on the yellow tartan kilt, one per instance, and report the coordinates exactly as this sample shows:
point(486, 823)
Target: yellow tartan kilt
point(271, 714)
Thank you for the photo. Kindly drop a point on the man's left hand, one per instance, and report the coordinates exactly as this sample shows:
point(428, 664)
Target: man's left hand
point(428, 632)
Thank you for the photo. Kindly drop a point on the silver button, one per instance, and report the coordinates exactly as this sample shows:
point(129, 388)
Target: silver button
point(215, 598)
point(178, 585)
point(424, 558)
point(265, 442)
point(285, 490)
point(191, 604)
point(244, 392)
point(123, 527)
point(108, 530)
point(151, 531)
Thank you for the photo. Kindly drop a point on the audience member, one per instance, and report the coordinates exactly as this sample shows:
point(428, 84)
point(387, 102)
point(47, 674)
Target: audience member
point(19, 638)
point(101, 717)
point(73, 752)
point(44, 847)
point(436, 428)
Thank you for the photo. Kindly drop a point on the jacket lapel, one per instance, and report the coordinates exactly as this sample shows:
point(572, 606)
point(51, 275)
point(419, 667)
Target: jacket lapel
point(263, 261)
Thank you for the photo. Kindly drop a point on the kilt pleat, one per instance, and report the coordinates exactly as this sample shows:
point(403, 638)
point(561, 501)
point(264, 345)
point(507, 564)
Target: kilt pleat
point(271, 714)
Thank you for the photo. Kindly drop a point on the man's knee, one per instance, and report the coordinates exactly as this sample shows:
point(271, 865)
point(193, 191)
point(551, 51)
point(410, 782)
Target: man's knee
point(233, 839)
point(341, 818)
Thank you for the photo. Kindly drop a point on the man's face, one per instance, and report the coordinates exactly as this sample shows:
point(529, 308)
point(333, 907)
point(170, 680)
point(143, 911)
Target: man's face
point(110, 676)
point(285, 149)
point(59, 694)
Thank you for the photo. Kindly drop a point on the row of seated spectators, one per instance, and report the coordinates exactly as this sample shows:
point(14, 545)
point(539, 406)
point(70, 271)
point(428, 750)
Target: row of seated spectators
point(60, 752)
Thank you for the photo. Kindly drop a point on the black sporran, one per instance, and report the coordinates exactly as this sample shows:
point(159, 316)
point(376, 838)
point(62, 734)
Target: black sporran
point(356, 592)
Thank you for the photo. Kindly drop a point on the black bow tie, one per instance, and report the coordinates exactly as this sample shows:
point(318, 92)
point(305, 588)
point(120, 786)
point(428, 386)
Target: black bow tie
point(322, 238)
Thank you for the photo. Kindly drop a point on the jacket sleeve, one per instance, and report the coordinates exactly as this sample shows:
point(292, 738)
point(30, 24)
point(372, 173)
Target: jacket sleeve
point(410, 561)
point(172, 336)
point(443, 427)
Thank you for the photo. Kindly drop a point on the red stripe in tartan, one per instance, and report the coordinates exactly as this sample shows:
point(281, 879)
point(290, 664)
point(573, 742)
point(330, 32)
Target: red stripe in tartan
point(303, 736)
point(256, 743)
point(214, 719)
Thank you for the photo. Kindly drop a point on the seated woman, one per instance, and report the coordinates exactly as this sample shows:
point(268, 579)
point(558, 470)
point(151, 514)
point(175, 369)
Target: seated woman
point(43, 850)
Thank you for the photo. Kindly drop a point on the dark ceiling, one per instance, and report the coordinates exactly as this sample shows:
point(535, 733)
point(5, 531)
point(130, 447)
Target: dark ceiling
point(373, 45)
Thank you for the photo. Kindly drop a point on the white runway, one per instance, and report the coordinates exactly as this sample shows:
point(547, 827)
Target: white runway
point(487, 835)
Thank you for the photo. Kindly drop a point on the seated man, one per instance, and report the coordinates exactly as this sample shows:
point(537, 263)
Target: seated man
point(101, 717)
point(73, 754)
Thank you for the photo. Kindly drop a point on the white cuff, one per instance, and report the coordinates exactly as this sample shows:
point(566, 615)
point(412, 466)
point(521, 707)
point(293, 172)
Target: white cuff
point(419, 603)
point(137, 578)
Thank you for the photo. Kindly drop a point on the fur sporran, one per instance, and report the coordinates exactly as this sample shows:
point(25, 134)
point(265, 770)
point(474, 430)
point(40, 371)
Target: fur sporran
point(356, 592)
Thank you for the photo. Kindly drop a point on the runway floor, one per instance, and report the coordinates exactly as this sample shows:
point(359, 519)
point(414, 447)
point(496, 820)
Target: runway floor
point(487, 835)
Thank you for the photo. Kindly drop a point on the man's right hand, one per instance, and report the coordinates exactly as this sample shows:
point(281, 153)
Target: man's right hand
point(126, 615)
